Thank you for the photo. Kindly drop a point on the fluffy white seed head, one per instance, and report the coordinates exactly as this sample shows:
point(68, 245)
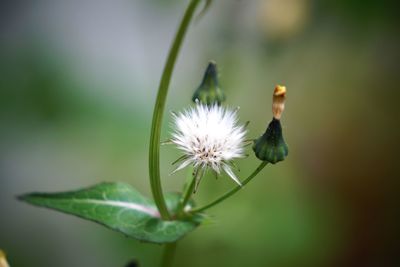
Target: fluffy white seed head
point(209, 136)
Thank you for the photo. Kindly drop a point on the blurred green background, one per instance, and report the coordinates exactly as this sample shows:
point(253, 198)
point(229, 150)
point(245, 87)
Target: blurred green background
point(78, 81)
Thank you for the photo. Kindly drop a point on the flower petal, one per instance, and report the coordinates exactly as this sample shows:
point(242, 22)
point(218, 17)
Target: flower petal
point(229, 171)
point(182, 165)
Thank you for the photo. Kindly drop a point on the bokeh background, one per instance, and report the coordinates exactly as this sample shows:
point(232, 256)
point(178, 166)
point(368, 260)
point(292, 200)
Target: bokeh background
point(78, 81)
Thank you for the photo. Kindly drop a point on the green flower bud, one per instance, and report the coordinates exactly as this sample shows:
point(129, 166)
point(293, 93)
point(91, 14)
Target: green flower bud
point(271, 146)
point(209, 91)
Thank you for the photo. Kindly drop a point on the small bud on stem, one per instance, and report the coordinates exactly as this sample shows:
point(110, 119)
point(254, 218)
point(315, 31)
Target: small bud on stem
point(271, 146)
point(209, 92)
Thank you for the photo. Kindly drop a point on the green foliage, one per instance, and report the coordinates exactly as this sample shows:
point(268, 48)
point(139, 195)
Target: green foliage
point(119, 207)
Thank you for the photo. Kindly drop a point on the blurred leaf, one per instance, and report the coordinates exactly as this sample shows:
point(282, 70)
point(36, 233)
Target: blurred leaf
point(119, 207)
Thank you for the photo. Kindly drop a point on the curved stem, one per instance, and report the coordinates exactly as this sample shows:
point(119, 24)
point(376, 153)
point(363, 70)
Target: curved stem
point(188, 191)
point(154, 150)
point(168, 254)
point(232, 191)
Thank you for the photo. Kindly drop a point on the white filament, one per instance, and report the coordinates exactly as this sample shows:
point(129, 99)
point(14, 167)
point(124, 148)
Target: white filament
point(210, 137)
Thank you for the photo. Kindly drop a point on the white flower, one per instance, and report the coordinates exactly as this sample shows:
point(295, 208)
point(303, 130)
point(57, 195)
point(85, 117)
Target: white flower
point(209, 137)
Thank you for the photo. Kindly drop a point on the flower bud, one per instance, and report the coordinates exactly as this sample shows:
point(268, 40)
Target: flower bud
point(271, 146)
point(209, 92)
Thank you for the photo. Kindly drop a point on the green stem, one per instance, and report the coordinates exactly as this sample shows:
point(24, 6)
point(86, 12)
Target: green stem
point(154, 150)
point(188, 191)
point(168, 254)
point(232, 191)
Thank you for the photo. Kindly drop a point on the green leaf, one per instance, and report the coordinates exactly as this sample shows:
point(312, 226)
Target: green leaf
point(119, 207)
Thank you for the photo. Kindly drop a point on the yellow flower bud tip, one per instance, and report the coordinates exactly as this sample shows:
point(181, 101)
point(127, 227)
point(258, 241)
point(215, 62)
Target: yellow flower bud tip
point(280, 90)
point(3, 260)
point(278, 101)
